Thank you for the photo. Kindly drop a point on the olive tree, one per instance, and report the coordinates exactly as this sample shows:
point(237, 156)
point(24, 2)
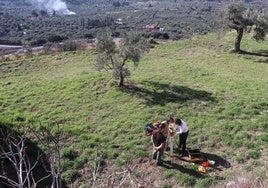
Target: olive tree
point(115, 57)
point(238, 17)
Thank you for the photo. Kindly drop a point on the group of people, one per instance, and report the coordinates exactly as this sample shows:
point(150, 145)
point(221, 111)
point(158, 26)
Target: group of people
point(167, 129)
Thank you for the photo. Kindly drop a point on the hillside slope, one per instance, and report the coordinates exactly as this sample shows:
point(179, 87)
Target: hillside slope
point(222, 96)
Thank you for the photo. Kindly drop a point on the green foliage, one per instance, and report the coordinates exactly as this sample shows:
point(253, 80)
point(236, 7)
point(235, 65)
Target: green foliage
point(80, 161)
point(113, 58)
point(179, 20)
point(69, 153)
point(55, 38)
point(241, 17)
point(261, 28)
point(68, 175)
point(68, 45)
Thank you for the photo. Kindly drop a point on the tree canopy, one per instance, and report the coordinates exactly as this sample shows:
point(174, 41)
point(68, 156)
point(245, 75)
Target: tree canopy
point(116, 57)
point(240, 18)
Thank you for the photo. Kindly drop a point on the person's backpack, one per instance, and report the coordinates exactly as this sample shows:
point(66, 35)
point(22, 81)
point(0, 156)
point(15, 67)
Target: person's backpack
point(150, 128)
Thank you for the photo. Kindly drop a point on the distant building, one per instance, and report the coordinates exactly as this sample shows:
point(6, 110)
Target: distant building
point(152, 26)
point(119, 21)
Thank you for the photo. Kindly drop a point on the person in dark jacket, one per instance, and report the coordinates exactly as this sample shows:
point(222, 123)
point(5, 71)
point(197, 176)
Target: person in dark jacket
point(158, 140)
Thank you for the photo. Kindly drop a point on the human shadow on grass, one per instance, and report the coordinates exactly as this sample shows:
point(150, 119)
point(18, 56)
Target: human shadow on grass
point(182, 169)
point(11, 142)
point(220, 162)
point(166, 93)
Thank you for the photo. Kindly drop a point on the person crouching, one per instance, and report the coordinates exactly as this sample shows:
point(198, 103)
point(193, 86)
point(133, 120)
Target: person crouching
point(158, 140)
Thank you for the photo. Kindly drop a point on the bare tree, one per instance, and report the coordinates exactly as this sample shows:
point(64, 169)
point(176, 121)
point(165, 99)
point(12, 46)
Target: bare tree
point(53, 145)
point(13, 149)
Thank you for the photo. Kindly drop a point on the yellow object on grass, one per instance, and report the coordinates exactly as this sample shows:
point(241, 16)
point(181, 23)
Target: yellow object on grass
point(202, 169)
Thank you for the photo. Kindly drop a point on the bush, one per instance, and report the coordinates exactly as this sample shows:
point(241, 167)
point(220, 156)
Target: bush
point(88, 36)
point(68, 45)
point(116, 4)
point(38, 42)
point(164, 36)
point(55, 38)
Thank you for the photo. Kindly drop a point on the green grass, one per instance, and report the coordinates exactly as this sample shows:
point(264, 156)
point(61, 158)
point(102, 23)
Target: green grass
point(222, 96)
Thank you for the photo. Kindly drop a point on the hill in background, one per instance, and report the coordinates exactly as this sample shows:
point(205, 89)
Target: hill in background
point(26, 23)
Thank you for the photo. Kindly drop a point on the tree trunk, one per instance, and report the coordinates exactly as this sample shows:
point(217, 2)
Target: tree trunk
point(121, 82)
point(238, 39)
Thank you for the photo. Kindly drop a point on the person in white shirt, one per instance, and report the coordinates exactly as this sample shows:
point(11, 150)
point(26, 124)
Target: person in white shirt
point(182, 130)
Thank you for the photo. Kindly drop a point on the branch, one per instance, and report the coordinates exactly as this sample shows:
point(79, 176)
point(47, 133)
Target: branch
point(10, 181)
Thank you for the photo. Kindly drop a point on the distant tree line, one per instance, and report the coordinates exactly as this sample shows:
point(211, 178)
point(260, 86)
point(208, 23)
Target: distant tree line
point(182, 19)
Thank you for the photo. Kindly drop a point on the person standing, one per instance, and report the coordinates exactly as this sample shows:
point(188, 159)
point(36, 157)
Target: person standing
point(158, 140)
point(182, 130)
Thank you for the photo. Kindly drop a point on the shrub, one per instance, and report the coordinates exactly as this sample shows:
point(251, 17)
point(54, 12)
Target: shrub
point(164, 36)
point(88, 36)
point(116, 4)
point(68, 45)
point(55, 38)
point(38, 42)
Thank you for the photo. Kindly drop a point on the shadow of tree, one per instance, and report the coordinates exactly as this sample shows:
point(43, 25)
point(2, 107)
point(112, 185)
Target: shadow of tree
point(31, 150)
point(263, 60)
point(165, 93)
point(263, 53)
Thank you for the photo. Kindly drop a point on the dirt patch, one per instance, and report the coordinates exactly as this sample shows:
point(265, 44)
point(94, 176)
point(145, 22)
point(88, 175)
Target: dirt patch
point(142, 172)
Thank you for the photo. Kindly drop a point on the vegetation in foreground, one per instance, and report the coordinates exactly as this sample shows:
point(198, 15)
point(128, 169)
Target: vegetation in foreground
point(222, 96)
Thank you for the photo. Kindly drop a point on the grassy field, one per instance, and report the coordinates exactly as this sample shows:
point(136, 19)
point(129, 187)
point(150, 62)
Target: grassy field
point(222, 96)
